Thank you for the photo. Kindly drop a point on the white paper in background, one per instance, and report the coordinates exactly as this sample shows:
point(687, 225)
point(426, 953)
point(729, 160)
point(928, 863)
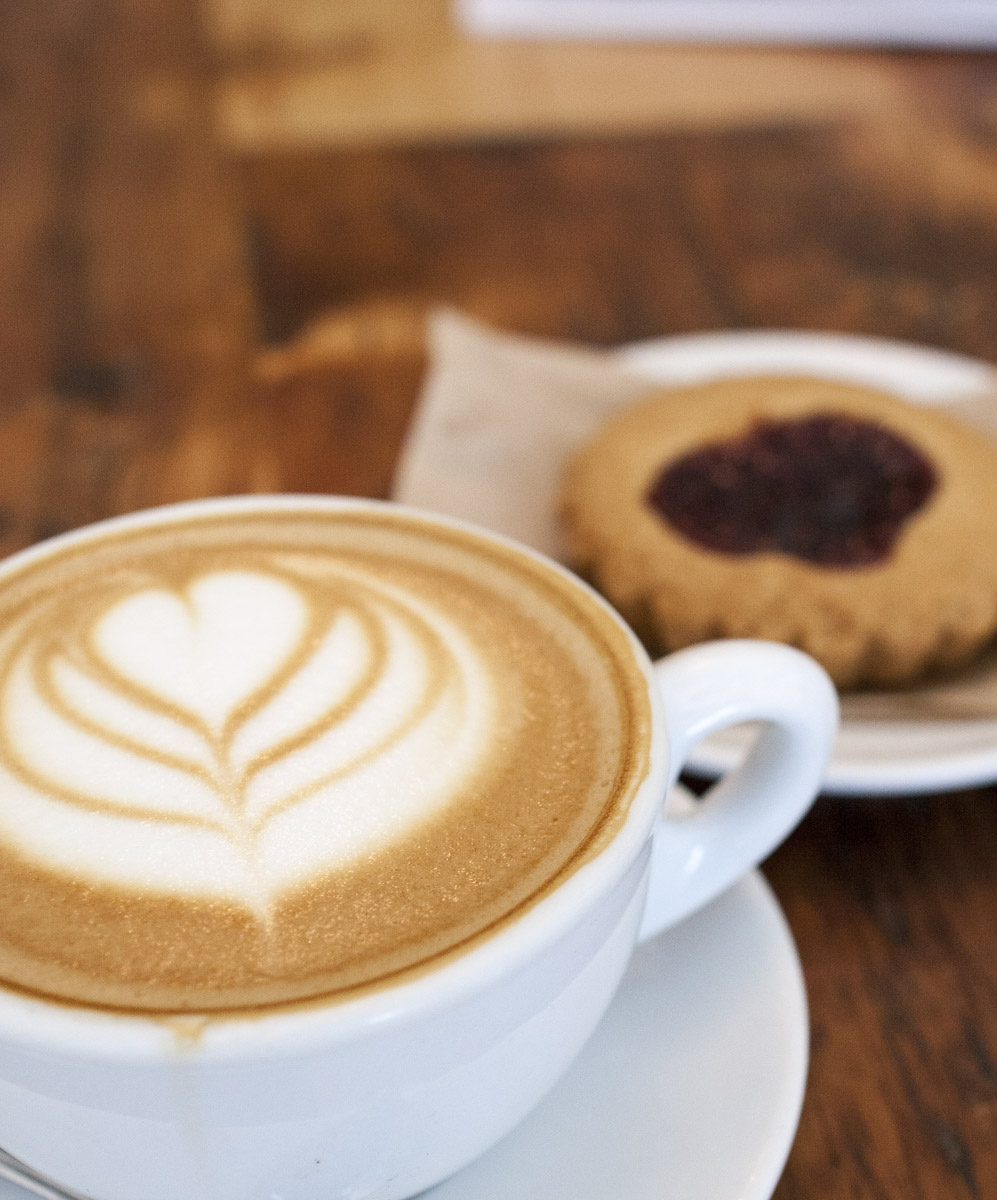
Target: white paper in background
point(498, 417)
point(500, 414)
point(968, 23)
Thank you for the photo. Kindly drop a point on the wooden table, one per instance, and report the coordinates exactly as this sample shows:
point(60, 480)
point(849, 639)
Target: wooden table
point(207, 286)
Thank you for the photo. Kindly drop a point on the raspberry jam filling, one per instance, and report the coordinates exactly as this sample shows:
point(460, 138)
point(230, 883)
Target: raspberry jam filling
point(831, 489)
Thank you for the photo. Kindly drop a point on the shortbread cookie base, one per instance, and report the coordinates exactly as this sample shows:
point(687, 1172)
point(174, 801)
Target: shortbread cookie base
point(931, 605)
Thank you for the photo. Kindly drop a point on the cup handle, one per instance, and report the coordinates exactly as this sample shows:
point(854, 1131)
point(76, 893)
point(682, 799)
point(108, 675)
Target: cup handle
point(751, 810)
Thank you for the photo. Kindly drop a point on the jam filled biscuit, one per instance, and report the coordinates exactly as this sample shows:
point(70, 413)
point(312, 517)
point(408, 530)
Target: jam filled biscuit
point(835, 518)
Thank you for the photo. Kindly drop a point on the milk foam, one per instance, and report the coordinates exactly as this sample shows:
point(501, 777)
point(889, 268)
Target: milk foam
point(252, 757)
point(238, 733)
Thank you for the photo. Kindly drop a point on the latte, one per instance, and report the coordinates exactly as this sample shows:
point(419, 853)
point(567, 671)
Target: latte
point(252, 757)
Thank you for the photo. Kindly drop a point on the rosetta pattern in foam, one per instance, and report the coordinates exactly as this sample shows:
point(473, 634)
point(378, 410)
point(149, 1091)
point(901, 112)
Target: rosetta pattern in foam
point(234, 733)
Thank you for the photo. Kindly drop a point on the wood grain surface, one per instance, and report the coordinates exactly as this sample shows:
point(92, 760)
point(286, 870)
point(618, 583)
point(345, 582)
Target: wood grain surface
point(192, 307)
point(309, 71)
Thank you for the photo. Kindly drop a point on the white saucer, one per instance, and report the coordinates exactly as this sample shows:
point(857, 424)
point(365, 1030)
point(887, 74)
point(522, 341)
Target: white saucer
point(872, 757)
point(691, 1087)
point(693, 1083)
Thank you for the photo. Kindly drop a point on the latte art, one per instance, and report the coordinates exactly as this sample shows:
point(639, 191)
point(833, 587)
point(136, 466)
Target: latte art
point(262, 725)
point(252, 758)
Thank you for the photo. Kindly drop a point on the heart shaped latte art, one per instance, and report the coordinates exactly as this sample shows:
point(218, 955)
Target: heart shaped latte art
point(236, 733)
point(208, 650)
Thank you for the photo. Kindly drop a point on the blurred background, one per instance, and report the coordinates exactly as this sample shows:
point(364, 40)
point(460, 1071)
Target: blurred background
point(223, 221)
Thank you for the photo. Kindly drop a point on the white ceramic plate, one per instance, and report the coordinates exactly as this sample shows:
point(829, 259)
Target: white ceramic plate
point(879, 756)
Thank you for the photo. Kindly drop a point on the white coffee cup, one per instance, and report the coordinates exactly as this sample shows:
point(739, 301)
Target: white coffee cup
point(378, 1097)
